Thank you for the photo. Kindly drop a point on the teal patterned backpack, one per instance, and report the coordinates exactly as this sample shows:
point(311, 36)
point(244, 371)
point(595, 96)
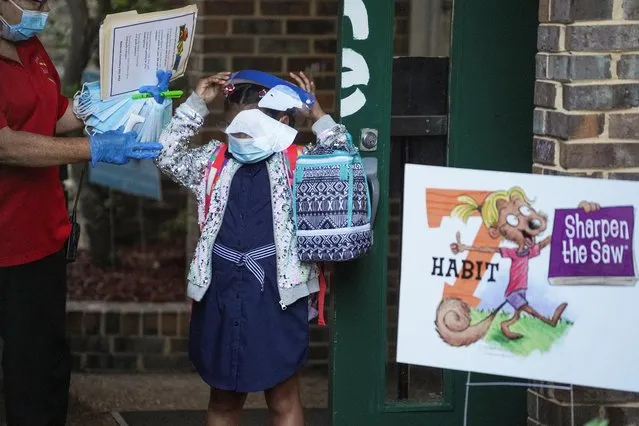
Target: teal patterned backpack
point(332, 209)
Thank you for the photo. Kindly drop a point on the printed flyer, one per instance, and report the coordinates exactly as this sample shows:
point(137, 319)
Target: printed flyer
point(133, 47)
point(520, 275)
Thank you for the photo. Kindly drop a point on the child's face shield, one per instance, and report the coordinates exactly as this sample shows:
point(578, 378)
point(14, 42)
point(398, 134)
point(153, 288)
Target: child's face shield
point(280, 95)
point(282, 98)
point(264, 131)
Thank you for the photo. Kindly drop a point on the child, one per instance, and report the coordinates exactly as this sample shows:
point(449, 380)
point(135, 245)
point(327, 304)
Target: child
point(249, 325)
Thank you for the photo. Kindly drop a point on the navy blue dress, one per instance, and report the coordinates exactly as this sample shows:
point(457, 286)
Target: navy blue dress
point(240, 338)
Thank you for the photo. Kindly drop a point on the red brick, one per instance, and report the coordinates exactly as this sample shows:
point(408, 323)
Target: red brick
point(150, 324)
point(226, 8)
point(598, 155)
point(131, 324)
point(325, 46)
point(92, 323)
point(213, 64)
point(288, 8)
point(74, 323)
point(312, 27)
point(544, 10)
point(326, 8)
point(169, 324)
point(185, 322)
point(319, 63)
point(326, 82)
point(624, 126)
point(262, 63)
point(213, 26)
point(283, 45)
point(228, 45)
point(257, 26)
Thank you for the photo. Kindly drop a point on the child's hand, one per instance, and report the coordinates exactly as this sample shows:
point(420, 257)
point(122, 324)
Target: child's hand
point(309, 85)
point(208, 88)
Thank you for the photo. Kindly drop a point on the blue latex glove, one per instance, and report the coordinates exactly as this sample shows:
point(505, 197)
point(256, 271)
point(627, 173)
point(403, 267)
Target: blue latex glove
point(162, 86)
point(117, 147)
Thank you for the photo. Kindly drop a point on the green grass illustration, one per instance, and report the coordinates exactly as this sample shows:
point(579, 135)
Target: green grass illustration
point(538, 336)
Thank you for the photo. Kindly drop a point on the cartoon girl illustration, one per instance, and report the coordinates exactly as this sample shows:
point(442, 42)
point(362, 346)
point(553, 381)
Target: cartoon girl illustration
point(507, 215)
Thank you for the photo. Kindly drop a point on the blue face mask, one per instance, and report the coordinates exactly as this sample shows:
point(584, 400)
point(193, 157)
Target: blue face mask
point(248, 150)
point(32, 24)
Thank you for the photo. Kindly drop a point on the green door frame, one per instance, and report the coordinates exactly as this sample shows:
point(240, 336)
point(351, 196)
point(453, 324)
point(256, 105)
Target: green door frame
point(491, 87)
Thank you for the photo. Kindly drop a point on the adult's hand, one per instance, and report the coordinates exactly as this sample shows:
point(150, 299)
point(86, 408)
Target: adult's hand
point(117, 147)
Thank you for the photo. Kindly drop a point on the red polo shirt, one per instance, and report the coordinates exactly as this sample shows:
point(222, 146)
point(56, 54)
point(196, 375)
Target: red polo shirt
point(33, 213)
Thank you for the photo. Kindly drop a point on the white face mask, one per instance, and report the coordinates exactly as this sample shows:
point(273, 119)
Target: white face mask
point(266, 136)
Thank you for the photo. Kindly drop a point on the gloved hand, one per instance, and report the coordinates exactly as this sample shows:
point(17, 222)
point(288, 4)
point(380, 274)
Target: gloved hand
point(117, 147)
point(162, 86)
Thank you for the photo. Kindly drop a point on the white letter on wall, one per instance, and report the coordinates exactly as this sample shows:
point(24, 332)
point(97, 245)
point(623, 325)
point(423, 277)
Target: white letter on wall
point(356, 11)
point(356, 74)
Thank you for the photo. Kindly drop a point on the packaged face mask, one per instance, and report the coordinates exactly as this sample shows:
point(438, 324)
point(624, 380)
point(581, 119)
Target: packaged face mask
point(112, 121)
point(144, 116)
point(157, 117)
point(87, 100)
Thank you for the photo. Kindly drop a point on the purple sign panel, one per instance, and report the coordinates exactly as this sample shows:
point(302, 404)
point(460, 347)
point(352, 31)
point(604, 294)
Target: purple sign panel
point(593, 248)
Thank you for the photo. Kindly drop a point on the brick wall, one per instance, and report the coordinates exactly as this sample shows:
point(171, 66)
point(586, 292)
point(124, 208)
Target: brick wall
point(586, 123)
point(128, 336)
point(587, 92)
point(144, 337)
point(276, 36)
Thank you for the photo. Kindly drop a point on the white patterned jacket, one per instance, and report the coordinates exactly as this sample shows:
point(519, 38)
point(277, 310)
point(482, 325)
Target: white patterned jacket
point(187, 166)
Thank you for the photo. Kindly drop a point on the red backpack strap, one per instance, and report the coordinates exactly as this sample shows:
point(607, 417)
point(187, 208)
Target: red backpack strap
point(321, 320)
point(292, 152)
point(215, 165)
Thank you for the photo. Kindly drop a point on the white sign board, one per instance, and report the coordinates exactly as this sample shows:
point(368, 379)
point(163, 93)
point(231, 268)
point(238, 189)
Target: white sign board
point(520, 275)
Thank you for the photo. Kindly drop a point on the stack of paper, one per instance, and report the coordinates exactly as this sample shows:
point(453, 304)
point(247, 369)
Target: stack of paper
point(133, 47)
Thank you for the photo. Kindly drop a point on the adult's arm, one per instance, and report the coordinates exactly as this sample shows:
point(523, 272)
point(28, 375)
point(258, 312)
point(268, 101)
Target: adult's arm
point(32, 150)
point(68, 122)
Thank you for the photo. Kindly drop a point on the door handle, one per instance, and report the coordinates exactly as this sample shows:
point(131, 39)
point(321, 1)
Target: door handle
point(370, 168)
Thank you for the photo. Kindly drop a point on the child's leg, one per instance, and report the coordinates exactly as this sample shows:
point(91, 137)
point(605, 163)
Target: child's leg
point(285, 404)
point(225, 408)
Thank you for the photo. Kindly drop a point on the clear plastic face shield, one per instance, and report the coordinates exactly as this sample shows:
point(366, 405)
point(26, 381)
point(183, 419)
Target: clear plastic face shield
point(264, 131)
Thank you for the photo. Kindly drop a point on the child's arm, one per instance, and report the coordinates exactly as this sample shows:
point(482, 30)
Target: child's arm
point(324, 127)
point(186, 165)
point(182, 164)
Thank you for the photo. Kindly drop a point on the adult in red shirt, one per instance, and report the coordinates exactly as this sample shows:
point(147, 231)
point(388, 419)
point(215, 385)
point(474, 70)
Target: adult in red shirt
point(34, 221)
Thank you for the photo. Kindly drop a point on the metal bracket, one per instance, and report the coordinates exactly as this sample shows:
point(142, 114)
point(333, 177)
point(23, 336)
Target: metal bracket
point(419, 125)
